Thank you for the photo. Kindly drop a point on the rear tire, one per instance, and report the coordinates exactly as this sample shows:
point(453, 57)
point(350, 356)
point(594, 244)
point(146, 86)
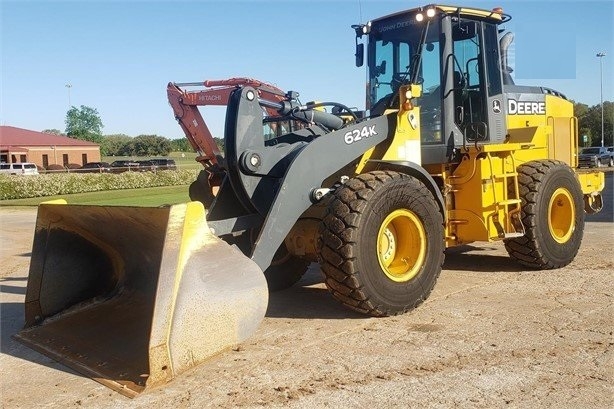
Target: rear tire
point(382, 243)
point(552, 214)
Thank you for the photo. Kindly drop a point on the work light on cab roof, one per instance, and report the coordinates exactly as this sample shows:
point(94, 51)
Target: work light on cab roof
point(429, 12)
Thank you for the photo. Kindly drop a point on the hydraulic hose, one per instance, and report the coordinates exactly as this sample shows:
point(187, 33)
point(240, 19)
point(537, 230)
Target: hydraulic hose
point(305, 113)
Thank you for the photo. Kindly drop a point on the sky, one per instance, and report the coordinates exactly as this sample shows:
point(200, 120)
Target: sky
point(118, 56)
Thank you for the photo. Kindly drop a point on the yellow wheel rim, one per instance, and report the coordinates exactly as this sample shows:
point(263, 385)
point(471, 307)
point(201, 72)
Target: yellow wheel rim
point(401, 245)
point(561, 215)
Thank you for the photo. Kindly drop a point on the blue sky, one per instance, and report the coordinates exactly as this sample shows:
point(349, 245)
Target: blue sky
point(119, 55)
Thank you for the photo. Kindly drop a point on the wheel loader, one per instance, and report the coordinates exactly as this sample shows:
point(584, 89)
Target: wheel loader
point(448, 151)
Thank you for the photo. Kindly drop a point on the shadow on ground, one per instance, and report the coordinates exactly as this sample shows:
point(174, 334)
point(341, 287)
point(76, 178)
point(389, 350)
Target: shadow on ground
point(308, 299)
point(11, 322)
point(477, 259)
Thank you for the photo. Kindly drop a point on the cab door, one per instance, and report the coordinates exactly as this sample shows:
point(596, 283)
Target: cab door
point(479, 105)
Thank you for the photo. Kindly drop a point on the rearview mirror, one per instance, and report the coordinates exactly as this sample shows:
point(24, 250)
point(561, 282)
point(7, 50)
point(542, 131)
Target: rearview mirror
point(380, 69)
point(360, 54)
point(464, 31)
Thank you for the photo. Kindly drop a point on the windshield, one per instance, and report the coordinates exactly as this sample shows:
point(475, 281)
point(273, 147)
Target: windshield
point(393, 47)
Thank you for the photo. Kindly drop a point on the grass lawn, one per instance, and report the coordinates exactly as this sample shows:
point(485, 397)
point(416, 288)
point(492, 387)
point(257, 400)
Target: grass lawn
point(147, 197)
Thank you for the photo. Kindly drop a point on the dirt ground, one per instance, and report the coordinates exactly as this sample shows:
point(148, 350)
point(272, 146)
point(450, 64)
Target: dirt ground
point(491, 335)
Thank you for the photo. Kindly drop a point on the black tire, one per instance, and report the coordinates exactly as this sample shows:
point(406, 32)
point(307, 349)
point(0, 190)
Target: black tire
point(285, 270)
point(371, 221)
point(552, 214)
point(611, 162)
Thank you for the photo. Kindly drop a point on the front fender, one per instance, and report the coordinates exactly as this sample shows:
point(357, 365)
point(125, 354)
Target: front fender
point(415, 170)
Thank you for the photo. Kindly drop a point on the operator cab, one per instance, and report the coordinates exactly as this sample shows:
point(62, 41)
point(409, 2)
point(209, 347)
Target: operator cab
point(454, 54)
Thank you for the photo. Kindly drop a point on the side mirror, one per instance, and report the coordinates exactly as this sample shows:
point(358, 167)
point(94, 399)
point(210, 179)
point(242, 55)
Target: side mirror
point(380, 69)
point(360, 54)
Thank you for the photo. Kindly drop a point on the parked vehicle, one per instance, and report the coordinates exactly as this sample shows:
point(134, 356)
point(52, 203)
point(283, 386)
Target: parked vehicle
point(24, 168)
point(164, 163)
point(146, 166)
point(120, 166)
point(610, 150)
point(594, 157)
point(96, 167)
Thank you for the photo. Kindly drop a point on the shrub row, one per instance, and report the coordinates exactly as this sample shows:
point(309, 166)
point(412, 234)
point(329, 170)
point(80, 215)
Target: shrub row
point(21, 187)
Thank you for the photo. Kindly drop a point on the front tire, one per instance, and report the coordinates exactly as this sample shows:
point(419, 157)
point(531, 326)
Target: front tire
point(285, 269)
point(552, 214)
point(382, 243)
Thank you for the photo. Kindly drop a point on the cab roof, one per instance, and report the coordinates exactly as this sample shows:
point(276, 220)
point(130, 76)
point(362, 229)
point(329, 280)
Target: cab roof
point(495, 15)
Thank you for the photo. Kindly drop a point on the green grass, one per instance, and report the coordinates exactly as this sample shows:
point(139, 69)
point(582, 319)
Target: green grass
point(155, 196)
point(147, 197)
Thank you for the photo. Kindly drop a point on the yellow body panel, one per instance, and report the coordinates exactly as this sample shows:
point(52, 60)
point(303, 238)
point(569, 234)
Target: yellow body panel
point(550, 136)
point(592, 183)
point(481, 193)
point(484, 193)
point(405, 145)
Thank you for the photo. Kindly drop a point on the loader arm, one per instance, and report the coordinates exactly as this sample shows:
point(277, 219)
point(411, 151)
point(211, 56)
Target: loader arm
point(269, 186)
point(185, 107)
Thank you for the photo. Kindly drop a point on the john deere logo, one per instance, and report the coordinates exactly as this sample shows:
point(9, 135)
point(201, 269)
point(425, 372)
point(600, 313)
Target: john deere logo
point(525, 107)
point(496, 106)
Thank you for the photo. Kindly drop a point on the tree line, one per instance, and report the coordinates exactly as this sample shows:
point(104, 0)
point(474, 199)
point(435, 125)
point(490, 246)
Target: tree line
point(85, 123)
point(589, 123)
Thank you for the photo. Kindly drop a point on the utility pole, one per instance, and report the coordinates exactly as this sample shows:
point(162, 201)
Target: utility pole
point(69, 86)
point(600, 56)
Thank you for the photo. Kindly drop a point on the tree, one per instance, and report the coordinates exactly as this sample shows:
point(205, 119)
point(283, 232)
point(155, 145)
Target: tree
point(149, 145)
point(594, 123)
point(589, 123)
point(114, 145)
point(580, 111)
point(181, 145)
point(53, 131)
point(220, 144)
point(84, 123)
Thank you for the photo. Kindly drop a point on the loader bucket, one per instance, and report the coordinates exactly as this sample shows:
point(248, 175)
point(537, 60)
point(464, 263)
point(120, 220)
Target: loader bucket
point(133, 296)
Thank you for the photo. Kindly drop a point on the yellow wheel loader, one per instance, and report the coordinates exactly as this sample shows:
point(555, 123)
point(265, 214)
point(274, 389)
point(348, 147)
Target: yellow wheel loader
point(449, 151)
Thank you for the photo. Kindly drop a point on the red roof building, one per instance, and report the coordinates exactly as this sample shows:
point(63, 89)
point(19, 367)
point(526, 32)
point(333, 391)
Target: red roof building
point(44, 149)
